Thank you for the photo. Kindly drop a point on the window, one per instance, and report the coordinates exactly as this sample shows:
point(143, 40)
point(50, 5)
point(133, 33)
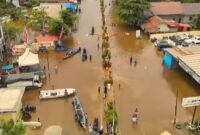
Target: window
point(190, 18)
point(179, 20)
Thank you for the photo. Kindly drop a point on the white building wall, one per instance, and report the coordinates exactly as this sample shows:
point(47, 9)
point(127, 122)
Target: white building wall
point(1, 42)
point(188, 18)
point(177, 18)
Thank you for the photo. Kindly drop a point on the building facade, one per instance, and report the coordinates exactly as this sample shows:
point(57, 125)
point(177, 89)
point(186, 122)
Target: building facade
point(177, 11)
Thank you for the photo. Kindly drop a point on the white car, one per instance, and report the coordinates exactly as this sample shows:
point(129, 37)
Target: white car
point(189, 40)
point(197, 40)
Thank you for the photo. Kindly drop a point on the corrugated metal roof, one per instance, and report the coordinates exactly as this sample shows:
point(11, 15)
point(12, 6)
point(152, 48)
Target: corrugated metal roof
point(189, 55)
point(191, 8)
point(167, 8)
point(192, 61)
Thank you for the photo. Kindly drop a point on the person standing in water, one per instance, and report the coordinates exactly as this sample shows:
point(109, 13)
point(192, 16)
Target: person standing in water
point(92, 30)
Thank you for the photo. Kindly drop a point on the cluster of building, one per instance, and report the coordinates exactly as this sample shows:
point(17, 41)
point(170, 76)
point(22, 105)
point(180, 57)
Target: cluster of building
point(170, 17)
point(23, 70)
point(170, 27)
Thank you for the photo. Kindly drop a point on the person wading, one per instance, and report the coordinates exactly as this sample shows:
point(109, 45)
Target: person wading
point(135, 63)
point(90, 58)
point(131, 60)
point(99, 89)
point(98, 46)
point(92, 30)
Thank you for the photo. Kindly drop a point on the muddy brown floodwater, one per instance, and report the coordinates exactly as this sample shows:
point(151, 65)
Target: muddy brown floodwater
point(149, 86)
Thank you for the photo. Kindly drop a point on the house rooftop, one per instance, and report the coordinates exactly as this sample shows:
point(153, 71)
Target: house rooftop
point(167, 8)
point(10, 99)
point(191, 8)
point(46, 38)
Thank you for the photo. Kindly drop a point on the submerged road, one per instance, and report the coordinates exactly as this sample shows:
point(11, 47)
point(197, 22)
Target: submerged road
point(149, 86)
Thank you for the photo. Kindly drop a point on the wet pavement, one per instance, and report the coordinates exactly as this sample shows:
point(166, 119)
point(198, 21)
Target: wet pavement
point(149, 86)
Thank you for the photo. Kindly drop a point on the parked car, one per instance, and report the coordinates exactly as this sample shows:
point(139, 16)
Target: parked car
point(165, 44)
point(196, 40)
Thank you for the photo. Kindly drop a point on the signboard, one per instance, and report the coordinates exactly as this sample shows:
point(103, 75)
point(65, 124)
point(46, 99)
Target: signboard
point(191, 101)
point(137, 33)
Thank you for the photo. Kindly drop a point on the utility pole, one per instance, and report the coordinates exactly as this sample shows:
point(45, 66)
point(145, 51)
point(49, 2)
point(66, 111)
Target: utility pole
point(195, 108)
point(174, 124)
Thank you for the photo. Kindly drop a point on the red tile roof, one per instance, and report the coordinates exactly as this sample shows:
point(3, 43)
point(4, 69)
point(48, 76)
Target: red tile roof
point(154, 22)
point(153, 25)
point(46, 38)
point(167, 8)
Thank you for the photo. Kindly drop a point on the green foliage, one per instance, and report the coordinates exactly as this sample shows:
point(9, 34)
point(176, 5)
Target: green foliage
point(132, 11)
point(67, 18)
point(56, 26)
point(13, 28)
point(196, 22)
point(33, 3)
point(106, 55)
point(111, 114)
point(38, 19)
point(9, 9)
point(10, 128)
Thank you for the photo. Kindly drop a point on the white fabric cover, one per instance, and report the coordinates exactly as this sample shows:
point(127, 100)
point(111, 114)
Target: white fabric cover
point(28, 58)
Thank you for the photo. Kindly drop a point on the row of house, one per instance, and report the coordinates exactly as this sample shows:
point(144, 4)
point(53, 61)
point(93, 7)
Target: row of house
point(179, 12)
point(171, 17)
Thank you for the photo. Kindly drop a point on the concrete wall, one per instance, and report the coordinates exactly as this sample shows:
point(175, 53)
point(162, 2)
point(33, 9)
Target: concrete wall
point(160, 36)
point(187, 18)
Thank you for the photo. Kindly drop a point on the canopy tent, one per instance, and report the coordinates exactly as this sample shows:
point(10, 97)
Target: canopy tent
point(53, 130)
point(7, 67)
point(28, 59)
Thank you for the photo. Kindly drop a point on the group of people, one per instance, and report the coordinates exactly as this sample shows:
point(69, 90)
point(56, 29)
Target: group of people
point(105, 91)
point(131, 61)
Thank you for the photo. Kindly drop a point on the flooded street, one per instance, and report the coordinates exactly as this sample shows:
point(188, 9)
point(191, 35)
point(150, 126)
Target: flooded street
point(149, 86)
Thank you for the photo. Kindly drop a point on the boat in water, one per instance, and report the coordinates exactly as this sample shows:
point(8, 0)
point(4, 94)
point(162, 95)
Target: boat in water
point(80, 115)
point(72, 52)
point(57, 93)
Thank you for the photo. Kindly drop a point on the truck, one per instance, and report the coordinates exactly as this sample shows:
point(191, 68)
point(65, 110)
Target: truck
point(26, 80)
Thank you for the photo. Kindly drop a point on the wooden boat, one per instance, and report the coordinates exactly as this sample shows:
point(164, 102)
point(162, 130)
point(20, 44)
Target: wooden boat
point(32, 124)
point(57, 93)
point(72, 52)
point(80, 115)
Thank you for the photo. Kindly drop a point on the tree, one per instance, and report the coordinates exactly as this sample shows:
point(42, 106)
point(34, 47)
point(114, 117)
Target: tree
point(10, 128)
point(67, 17)
point(38, 19)
point(56, 26)
point(33, 3)
point(9, 9)
point(132, 11)
point(196, 22)
point(13, 28)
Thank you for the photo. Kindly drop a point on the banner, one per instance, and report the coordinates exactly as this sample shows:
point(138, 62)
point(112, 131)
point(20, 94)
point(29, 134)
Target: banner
point(191, 101)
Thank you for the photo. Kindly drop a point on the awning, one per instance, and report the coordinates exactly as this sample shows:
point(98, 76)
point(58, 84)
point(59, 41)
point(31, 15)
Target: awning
point(70, 6)
point(46, 38)
point(7, 67)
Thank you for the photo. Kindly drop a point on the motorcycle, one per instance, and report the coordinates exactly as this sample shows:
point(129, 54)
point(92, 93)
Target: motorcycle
point(135, 116)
